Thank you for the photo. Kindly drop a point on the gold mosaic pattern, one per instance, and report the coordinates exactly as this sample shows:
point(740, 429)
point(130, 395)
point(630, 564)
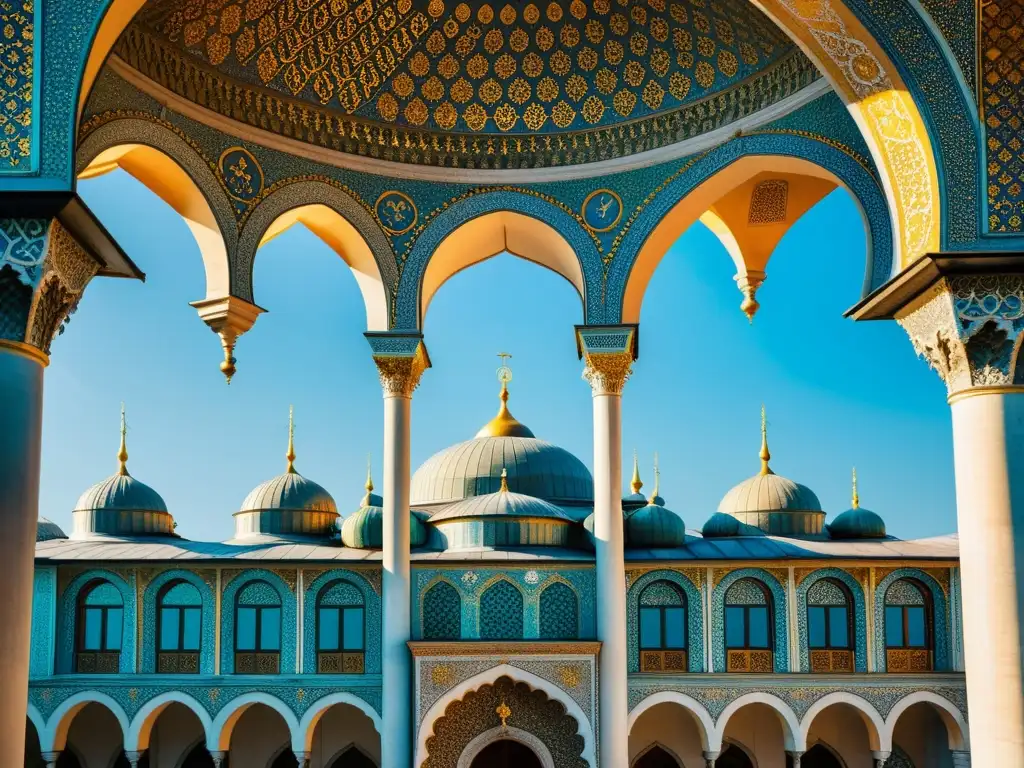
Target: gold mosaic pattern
point(475, 66)
point(16, 72)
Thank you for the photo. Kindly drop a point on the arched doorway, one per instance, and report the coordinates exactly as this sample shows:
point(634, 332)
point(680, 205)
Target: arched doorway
point(734, 757)
point(506, 753)
point(656, 757)
point(818, 756)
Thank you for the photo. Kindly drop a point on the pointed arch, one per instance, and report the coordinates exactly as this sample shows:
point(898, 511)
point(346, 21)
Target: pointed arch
point(165, 163)
point(343, 222)
point(792, 734)
point(224, 724)
point(137, 736)
point(879, 734)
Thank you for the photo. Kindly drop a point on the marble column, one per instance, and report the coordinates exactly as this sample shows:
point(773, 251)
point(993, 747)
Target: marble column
point(961, 759)
point(50, 759)
point(794, 757)
point(42, 276)
point(966, 325)
point(401, 360)
point(608, 354)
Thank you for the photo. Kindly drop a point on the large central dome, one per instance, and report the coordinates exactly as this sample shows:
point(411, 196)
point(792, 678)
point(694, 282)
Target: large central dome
point(394, 78)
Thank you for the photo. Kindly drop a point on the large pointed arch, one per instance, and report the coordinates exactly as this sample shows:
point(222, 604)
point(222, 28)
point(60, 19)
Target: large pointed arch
point(55, 736)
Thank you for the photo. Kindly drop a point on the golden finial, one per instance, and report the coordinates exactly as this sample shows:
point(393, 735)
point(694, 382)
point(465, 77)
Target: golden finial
point(856, 496)
point(636, 483)
point(504, 424)
point(657, 482)
point(291, 440)
point(122, 455)
point(369, 483)
point(765, 454)
point(504, 481)
point(504, 712)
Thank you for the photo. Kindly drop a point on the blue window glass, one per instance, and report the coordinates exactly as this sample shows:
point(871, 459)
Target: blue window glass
point(245, 632)
point(735, 626)
point(114, 618)
point(758, 619)
point(329, 630)
point(270, 629)
point(916, 632)
point(192, 619)
point(650, 628)
point(838, 627)
point(675, 628)
point(353, 629)
point(169, 629)
point(93, 635)
point(816, 626)
point(894, 626)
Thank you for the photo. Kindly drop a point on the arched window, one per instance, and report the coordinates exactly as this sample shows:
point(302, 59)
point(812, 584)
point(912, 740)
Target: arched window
point(501, 612)
point(179, 623)
point(559, 613)
point(830, 626)
point(442, 613)
point(341, 629)
point(258, 630)
point(748, 627)
point(908, 627)
point(100, 625)
point(662, 622)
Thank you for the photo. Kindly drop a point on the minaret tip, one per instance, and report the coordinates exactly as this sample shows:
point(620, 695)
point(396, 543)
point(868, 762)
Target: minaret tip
point(765, 454)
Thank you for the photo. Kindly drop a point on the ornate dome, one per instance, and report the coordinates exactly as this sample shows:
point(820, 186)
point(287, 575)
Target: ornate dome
point(47, 530)
point(473, 468)
point(774, 504)
point(121, 505)
point(857, 522)
point(364, 528)
point(287, 504)
point(399, 81)
point(653, 526)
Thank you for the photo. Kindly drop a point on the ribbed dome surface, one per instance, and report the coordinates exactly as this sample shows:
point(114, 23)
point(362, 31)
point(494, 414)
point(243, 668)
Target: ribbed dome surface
point(364, 529)
point(123, 493)
point(473, 468)
point(290, 491)
point(769, 493)
point(47, 530)
point(857, 523)
point(721, 524)
point(655, 526)
point(502, 504)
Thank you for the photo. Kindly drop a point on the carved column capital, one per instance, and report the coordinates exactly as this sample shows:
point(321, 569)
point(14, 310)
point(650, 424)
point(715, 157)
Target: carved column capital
point(401, 359)
point(608, 352)
point(218, 758)
point(880, 758)
point(710, 758)
point(50, 758)
point(229, 317)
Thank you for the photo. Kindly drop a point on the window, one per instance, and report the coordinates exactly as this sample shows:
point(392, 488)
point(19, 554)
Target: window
point(829, 626)
point(258, 630)
point(100, 625)
point(501, 612)
point(662, 626)
point(340, 629)
point(559, 613)
point(748, 627)
point(908, 630)
point(179, 621)
point(442, 613)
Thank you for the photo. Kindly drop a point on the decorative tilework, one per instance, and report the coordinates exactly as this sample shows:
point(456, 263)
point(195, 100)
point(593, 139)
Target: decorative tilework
point(355, 581)
point(149, 618)
point(17, 67)
point(44, 589)
point(442, 612)
point(559, 613)
point(813, 583)
point(125, 584)
point(780, 649)
point(939, 618)
point(694, 616)
point(501, 612)
point(232, 583)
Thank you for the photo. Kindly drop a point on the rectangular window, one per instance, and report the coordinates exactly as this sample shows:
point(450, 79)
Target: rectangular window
point(758, 626)
point(816, 626)
point(328, 629)
point(192, 621)
point(894, 626)
point(916, 633)
point(838, 628)
point(245, 632)
point(675, 628)
point(735, 623)
point(114, 617)
point(93, 635)
point(650, 628)
point(270, 629)
point(353, 627)
point(169, 629)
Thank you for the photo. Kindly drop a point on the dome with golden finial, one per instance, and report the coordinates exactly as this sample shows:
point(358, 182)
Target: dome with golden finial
point(857, 522)
point(769, 503)
point(635, 498)
point(288, 504)
point(364, 528)
point(121, 505)
point(653, 526)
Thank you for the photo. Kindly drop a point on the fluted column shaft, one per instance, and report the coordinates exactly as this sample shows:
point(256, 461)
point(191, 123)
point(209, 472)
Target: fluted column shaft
point(399, 376)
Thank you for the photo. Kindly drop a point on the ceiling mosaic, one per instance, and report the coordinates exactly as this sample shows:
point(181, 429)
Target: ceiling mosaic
point(396, 69)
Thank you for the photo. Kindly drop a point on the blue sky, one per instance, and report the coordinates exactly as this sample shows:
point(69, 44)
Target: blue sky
point(838, 394)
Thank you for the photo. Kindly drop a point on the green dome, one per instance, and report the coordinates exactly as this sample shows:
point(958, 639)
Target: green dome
point(655, 527)
point(47, 530)
point(857, 523)
point(364, 529)
point(721, 524)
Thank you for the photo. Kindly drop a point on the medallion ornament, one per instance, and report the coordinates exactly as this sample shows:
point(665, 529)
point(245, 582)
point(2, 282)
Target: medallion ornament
point(396, 212)
point(241, 173)
point(602, 210)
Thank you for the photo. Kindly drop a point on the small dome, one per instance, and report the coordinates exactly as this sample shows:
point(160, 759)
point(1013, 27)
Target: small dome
point(47, 530)
point(721, 524)
point(364, 528)
point(857, 522)
point(123, 493)
point(655, 527)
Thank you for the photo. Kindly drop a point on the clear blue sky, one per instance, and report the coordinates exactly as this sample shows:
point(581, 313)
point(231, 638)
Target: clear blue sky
point(838, 394)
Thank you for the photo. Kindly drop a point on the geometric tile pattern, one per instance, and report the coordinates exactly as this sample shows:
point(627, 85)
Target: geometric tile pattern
point(1002, 63)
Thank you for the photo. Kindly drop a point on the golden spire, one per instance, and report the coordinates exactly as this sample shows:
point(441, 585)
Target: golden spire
point(504, 481)
point(765, 454)
point(122, 455)
point(291, 440)
point(657, 482)
point(504, 424)
point(856, 496)
point(636, 483)
point(369, 483)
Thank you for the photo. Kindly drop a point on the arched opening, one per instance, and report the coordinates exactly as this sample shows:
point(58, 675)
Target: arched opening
point(33, 750)
point(442, 612)
point(260, 737)
point(506, 753)
point(94, 737)
point(340, 629)
point(818, 756)
point(734, 755)
point(179, 623)
point(99, 628)
point(667, 728)
point(762, 724)
point(258, 629)
point(848, 726)
point(175, 737)
point(352, 757)
point(657, 757)
point(830, 629)
point(662, 623)
point(559, 613)
point(749, 627)
point(343, 737)
point(927, 730)
point(909, 628)
point(501, 612)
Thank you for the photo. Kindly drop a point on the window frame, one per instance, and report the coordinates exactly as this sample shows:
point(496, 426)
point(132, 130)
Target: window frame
point(662, 609)
point(96, 654)
point(848, 607)
point(769, 610)
point(258, 651)
point(341, 655)
point(179, 653)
